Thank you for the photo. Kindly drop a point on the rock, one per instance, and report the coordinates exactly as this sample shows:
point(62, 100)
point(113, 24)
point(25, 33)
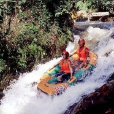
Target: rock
point(1, 95)
point(6, 82)
point(99, 102)
point(34, 83)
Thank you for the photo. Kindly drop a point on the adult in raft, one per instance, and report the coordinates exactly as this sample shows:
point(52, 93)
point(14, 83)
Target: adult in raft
point(83, 56)
point(65, 68)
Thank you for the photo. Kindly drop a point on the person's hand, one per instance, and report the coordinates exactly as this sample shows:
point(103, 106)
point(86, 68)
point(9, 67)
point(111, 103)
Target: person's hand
point(76, 69)
point(71, 78)
point(85, 64)
point(59, 78)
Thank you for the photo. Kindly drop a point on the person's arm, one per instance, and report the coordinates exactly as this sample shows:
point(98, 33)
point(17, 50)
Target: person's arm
point(71, 70)
point(87, 52)
point(88, 58)
point(73, 53)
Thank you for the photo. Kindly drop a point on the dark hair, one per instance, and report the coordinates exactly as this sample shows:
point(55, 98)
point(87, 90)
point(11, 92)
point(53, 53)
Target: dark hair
point(81, 40)
point(66, 53)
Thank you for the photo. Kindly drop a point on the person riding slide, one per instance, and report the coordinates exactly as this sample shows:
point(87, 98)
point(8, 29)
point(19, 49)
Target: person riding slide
point(83, 56)
point(65, 68)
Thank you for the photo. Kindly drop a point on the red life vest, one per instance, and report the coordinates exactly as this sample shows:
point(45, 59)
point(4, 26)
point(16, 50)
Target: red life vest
point(65, 66)
point(82, 53)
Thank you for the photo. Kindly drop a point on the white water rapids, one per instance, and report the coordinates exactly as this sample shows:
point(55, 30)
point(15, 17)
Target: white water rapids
point(22, 97)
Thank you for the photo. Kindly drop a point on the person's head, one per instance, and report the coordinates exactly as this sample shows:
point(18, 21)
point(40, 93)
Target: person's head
point(81, 42)
point(65, 55)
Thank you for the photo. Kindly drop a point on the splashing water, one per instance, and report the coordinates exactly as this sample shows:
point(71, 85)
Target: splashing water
point(22, 97)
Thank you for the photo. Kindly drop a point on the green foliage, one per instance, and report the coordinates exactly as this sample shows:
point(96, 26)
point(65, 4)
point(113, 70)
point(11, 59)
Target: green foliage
point(2, 65)
point(85, 6)
point(21, 2)
point(36, 29)
point(103, 5)
point(64, 7)
point(108, 5)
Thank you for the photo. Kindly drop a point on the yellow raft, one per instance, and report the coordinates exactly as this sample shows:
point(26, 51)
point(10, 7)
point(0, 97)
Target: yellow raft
point(50, 86)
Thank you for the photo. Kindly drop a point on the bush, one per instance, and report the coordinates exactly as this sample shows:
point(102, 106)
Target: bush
point(32, 31)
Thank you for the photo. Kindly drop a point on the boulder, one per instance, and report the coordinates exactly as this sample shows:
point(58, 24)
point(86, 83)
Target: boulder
point(99, 102)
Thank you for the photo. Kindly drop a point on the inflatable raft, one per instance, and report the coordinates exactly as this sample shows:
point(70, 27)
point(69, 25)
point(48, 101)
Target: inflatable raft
point(48, 84)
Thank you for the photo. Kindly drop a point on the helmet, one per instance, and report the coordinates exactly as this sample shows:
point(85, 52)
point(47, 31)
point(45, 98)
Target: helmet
point(81, 40)
point(65, 53)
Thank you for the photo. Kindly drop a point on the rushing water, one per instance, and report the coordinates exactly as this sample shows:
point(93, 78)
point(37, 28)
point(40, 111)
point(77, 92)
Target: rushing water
point(22, 96)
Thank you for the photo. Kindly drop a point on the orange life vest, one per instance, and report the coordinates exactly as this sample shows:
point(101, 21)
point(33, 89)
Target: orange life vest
point(65, 66)
point(82, 53)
